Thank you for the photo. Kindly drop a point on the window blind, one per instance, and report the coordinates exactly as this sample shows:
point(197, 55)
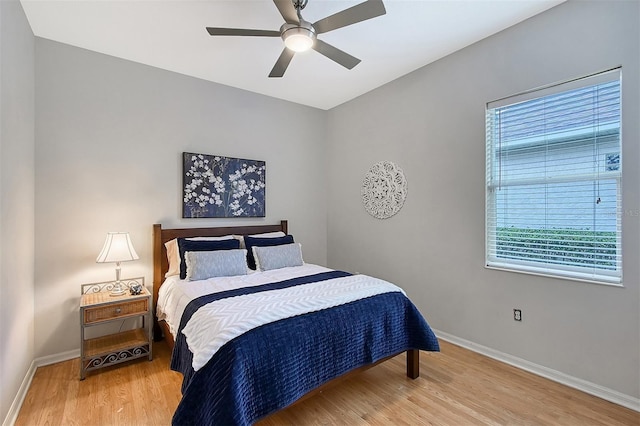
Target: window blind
point(553, 188)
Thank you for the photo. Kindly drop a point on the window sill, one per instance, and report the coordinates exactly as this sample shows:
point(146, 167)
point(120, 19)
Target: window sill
point(608, 281)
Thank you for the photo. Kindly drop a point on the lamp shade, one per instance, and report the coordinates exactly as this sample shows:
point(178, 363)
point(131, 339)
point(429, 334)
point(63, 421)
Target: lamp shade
point(117, 248)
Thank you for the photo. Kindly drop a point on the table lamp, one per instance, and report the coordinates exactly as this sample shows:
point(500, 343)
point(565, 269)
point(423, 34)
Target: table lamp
point(117, 248)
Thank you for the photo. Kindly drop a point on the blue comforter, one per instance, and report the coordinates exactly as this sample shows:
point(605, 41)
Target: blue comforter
point(270, 367)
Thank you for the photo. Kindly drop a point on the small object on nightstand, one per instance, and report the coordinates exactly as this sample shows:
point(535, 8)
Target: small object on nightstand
point(97, 307)
point(135, 288)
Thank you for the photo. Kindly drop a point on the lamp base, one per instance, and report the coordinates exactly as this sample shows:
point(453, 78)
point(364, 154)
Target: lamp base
point(118, 289)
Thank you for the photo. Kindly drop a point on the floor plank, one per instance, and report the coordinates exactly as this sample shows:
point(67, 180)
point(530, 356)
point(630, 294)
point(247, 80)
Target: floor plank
point(456, 387)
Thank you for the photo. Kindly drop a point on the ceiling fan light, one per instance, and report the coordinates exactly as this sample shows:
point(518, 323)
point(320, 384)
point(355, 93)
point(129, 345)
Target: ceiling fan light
point(298, 39)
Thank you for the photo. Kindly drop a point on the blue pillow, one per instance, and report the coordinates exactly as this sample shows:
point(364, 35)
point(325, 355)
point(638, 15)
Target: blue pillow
point(185, 245)
point(251, 242)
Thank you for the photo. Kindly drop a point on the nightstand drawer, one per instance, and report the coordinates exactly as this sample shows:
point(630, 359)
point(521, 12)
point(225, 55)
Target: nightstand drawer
point(113, 311)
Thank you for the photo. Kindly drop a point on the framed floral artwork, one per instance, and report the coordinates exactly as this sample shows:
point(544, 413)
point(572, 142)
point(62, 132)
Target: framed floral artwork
point(216, 186)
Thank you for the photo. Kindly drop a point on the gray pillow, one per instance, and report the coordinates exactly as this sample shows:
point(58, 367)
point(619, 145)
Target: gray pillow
point(219, 263)
point(276, 257)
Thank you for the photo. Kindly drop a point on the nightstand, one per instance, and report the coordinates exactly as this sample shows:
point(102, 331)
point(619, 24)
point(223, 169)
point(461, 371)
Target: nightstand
point(97, 307)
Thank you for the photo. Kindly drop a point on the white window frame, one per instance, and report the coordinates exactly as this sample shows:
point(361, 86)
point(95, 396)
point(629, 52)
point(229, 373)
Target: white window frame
point(494, 183)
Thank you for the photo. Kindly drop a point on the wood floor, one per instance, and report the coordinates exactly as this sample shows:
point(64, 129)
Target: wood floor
point(456, 387)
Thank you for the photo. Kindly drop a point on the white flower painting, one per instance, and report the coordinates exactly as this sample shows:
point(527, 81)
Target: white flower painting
point(216, 186)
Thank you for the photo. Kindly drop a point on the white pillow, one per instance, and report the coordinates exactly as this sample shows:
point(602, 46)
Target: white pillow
point(276, 257)
point(223, 238)
point(173, 254)
point(276, 234)
point(218, 263)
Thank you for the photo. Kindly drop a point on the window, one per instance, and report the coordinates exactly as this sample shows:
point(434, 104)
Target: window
point(553, 189)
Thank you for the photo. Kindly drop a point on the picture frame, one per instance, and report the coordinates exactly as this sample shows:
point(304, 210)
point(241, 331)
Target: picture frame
point(216, 186)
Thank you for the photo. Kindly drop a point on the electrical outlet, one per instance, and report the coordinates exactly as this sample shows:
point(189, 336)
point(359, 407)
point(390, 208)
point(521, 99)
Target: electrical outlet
point(517, 315)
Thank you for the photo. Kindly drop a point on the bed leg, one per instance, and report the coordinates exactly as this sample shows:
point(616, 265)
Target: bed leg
point(157, 332)
point(413, 363)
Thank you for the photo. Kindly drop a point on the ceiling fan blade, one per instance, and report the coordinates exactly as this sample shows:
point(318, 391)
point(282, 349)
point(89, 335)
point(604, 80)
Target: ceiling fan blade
point(242, 32)
point(358, 13)
point(288, 12)
point(335, 54)
point(282, 63)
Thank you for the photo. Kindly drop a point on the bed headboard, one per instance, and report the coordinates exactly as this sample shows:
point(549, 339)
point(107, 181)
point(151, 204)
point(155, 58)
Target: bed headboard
point(161, 236)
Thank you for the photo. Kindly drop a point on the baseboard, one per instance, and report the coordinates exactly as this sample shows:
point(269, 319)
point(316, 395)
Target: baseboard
point(14, 410)
point(12, 415)
point(54, 359)
point(565, 379)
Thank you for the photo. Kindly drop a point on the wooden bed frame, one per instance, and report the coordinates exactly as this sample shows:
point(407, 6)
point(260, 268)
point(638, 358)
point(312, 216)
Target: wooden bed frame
point(161, 266)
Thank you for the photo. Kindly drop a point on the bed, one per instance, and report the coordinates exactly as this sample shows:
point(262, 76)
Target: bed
point(277, 350)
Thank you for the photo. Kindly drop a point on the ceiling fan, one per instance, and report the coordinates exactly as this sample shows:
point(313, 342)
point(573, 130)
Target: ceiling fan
point(300, 35)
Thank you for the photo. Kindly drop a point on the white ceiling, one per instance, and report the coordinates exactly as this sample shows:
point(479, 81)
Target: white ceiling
point(171, 35)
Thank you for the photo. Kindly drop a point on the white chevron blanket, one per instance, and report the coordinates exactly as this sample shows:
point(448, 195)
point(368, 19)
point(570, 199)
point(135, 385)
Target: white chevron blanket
point(175, 294)
point(215, 324)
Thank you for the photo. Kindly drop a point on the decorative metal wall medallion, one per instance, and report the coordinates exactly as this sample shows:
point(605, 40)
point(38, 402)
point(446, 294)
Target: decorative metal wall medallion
point(384, 190)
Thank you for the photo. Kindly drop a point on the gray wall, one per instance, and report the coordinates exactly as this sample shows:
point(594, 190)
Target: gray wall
point(16, 200)
point(431, 123)
point(110, 136)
